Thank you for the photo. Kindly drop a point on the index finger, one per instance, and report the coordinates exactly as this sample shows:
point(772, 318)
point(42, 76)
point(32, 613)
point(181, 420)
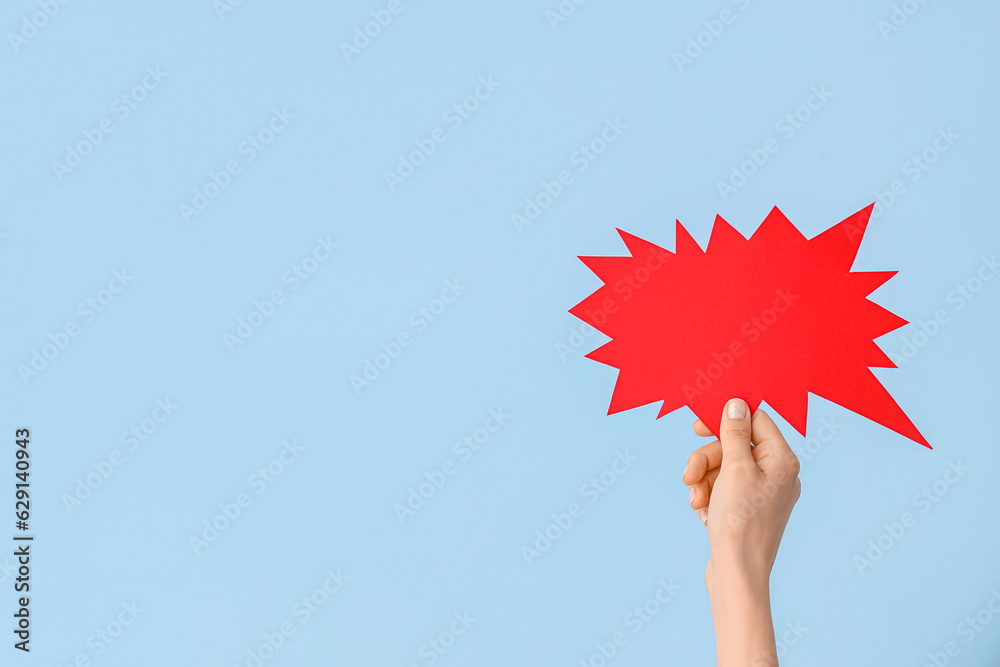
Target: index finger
point(702, 430)
point(701, 461)
point(769, 441)
point(764, 432)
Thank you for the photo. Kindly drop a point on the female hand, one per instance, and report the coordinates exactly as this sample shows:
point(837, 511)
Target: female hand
point(744, 494)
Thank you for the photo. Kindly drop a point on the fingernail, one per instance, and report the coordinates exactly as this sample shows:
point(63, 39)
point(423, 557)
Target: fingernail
point(691, 493)
point(686, 468)
point(703, 515)
point(737, 409)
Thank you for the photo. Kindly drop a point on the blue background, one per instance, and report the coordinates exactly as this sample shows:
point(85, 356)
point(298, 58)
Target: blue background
point(497, 346)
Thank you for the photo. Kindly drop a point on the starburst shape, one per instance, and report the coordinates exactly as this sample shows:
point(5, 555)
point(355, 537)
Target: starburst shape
point(770, 319)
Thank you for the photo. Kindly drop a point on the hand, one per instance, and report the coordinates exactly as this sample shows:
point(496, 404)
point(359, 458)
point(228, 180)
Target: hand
point(744, 495)
point(752, 489)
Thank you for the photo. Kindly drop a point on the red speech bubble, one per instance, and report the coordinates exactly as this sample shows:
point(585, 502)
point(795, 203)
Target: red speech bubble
point(770, 318)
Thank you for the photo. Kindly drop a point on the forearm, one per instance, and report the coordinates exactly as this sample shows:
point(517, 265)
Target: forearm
point(741, 612)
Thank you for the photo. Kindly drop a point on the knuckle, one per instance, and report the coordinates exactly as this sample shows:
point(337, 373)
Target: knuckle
point(792, 464)
point(738, 431)
point(740, 466)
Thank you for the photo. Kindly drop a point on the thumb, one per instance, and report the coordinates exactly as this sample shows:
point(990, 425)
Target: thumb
point(734, 432)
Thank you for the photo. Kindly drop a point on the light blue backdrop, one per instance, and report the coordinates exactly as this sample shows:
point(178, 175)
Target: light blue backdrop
point(214, 155)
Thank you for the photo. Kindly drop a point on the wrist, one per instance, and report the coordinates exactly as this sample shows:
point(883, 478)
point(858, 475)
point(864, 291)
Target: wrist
point(735, 572)
point(741, 612)
point(738, 586)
